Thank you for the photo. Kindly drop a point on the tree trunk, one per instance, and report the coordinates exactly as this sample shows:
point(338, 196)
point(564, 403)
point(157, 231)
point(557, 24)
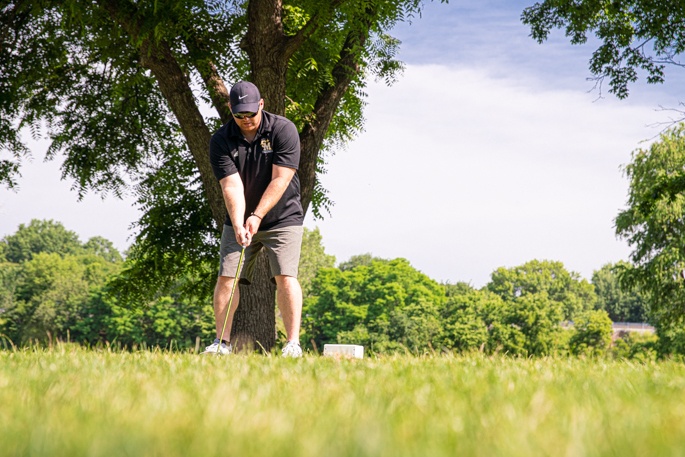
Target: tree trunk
point(254, 324)
point(265, 44)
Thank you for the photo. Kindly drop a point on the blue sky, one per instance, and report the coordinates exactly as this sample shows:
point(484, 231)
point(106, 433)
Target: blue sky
point(513, 158)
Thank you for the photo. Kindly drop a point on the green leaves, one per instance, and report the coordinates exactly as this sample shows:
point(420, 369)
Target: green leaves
point(51, 290)
point(388, 306)
point(40, 236)
point(384, 305)
point(654, 223)
point(621, 303)
point(64, 289)
point(592, 335)
point(313, 257)
point(536, 309)
point(48, 278)
point(56, 288)
point(80, 74)
point(177, 242)
point(69, 68)
point(635, 35)
point(534, 277)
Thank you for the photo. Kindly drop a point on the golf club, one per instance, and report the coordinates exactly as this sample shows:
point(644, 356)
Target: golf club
point(230, 299)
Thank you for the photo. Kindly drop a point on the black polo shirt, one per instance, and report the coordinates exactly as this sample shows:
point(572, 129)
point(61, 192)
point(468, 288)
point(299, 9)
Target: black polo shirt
point(276, 143)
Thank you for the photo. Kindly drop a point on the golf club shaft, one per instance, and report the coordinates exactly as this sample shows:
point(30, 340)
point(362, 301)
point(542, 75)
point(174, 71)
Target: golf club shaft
point(230, 298)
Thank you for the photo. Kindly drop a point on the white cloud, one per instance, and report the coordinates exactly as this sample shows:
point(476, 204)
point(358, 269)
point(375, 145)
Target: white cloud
point(491, 172)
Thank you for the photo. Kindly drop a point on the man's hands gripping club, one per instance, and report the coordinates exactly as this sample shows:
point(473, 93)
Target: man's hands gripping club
point(232, 188)
point(244, 234)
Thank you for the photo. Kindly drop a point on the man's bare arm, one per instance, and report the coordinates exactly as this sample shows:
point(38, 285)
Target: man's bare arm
point(234, 198)
point(280, 178)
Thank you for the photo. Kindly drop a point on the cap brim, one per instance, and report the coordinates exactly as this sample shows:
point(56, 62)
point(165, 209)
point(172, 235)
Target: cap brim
point(245, 108)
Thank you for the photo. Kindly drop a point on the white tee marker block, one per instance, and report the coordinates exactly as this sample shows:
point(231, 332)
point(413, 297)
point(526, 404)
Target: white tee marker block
point(352, 351)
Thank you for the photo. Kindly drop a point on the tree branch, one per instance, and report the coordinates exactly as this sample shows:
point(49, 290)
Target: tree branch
point(214, 83)
point(270, 49)
point(175, 87)
point(292, 43)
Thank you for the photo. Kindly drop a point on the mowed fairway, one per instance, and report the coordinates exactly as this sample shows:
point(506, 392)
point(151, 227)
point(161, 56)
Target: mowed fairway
point(71, 402)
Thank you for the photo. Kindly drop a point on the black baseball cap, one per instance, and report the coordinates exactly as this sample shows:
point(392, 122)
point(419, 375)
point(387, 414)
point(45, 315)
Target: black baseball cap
point(245, 97)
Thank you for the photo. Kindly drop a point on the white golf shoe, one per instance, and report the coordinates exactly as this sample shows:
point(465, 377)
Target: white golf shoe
point(218, 347)
point(292, 349)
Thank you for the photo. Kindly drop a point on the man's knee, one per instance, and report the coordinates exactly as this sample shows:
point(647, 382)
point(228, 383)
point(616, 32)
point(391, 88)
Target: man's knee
point(224, 282)
point(286, 281)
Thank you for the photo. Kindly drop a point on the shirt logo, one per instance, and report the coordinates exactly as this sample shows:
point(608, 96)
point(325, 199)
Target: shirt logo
point(266, 146)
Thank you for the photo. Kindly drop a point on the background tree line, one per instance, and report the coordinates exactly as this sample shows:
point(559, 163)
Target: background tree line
point(54, 287)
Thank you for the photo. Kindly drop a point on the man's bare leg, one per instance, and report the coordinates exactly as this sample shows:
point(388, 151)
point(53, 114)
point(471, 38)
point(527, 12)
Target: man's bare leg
point(289, 301)
point(222, 292)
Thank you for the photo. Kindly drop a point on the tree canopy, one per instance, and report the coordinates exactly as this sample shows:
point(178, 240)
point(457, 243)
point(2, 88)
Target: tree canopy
point(122, 85)
point(623, 304)
point(40, 236)
point(653, 224)
point(568, 289)
point(312, 258)
point(384, 305)
point(634, 35)
point(47, 278)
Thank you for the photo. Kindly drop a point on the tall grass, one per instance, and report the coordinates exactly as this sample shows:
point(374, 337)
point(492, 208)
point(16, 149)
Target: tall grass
point(72, 402)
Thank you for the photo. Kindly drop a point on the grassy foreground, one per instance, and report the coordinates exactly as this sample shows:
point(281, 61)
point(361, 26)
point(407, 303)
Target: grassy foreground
point(73, 402)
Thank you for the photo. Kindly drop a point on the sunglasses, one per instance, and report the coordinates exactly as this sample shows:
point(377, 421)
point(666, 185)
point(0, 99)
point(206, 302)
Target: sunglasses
point(244, 115)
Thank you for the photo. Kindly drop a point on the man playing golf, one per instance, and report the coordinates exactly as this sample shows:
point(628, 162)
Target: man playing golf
point(255, 157)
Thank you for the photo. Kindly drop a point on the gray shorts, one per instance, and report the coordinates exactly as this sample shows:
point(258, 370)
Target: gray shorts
point(282, 247)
